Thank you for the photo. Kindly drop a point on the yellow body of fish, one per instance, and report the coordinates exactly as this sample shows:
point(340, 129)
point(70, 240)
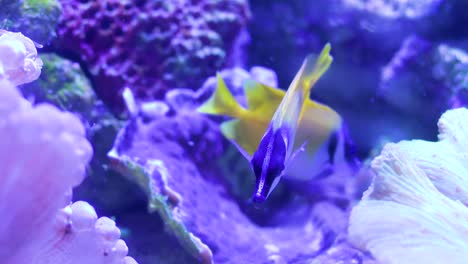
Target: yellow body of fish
point(305, 124)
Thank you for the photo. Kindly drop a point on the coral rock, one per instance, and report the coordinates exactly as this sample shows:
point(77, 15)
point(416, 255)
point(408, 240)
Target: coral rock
point(37, 19)
point(423, 79)
point(196, 206)
point(151, 46)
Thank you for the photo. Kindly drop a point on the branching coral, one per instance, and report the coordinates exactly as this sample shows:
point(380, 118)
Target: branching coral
point(151, 46)
point(416, 209)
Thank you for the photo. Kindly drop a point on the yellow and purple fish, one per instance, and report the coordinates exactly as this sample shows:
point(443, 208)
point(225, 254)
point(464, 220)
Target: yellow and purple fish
point(282, 134)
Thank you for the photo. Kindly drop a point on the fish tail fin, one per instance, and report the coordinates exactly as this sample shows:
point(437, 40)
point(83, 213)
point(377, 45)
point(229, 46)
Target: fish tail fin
point(221, 102)
point(313, 69)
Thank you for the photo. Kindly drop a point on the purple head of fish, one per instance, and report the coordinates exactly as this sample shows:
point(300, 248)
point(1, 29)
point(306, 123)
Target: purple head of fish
point(268, 163)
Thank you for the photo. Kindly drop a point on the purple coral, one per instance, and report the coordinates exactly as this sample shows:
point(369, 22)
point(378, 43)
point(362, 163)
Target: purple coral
point(151, 46)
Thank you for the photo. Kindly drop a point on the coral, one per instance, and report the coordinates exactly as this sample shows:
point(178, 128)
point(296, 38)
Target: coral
point(63, 84)
point(264, 75)
point(362, 32)
point(18, 56)
point(26, 132)
point(396, 8)
point(150, 46)
point(197, 207)
point(363, 42)
point(451, 69)
point(416, 208)
point(83, 239)
point(44, 154)
point(342, 252)
point(339, 187)
point(36, 19)
point(424, 79)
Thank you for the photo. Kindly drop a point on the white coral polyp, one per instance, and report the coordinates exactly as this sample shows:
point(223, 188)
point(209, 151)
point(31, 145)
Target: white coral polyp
point(81, 238)
point(43, 155)
point(415, 210)
point(19, 62)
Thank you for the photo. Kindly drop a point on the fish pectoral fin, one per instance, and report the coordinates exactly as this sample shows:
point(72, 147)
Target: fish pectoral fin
point(259, 94)
point(295, 153)
point(235, 131)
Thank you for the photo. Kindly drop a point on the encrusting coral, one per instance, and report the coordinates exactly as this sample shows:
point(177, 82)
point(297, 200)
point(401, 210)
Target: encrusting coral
point(416, 208)
point(36, 19)
point(423, 79)
point(151, 46)
point(43, 155)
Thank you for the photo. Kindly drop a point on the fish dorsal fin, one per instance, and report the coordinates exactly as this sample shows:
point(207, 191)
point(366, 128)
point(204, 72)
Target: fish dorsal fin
point(260, 95)
point(312, 69)
point(295, 100)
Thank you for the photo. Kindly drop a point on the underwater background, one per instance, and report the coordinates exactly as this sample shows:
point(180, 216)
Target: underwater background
point(103, 153)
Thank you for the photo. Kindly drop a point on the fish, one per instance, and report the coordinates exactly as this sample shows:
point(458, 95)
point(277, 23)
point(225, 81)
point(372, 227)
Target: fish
point(283, 134)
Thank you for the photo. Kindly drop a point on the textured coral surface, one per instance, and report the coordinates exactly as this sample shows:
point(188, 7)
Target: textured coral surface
point(398, 65)
point(416, 208)
point(63, 84)
point(396, 8)
point(424, 79)
point(44, 155)
point(31, 178)
point(19, 62)
point(150, 46)
point(35, 18)
point(196, 205)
